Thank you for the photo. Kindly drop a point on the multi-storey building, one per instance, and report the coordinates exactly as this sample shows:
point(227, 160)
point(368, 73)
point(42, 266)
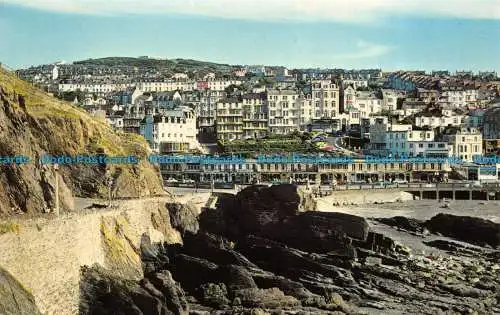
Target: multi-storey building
point(207, 109)
point(458, 97)
point(427, 96)
point(221, 85)
point(254, 115)
point(413, 142)
point(166, 85)
point(390, 100)
point(283, 111)
point(325, 98)
point(349, 98)
point(99, 88)
point(438, 120)
point(356, 83)
point(465, 142)
point(367, 104)
point(229, 117)
point(174, 130)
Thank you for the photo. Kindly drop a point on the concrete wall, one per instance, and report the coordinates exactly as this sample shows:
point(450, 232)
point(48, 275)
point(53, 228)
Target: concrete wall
point(339, 198)
point(46, 255)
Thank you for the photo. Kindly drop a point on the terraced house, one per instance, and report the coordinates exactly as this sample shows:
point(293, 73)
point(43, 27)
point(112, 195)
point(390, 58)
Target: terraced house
point(283, 111)
point(254, 115)
point(229, 119)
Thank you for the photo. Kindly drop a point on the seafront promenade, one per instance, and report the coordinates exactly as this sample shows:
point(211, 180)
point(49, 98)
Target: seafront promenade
point(460, 190)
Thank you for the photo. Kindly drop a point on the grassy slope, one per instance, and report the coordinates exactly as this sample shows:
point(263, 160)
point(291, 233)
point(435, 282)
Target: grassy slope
point(187, 64)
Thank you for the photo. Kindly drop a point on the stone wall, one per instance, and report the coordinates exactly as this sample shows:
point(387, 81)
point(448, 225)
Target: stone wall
point(46, 255)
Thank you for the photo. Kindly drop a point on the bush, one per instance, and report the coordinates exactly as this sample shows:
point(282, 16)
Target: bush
point(9, 227)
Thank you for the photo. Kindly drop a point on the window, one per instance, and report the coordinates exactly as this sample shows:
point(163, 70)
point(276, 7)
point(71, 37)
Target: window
point(420, 145)
point(430, 145)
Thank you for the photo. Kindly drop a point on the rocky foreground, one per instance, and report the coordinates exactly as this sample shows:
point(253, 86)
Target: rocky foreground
point(261, 252)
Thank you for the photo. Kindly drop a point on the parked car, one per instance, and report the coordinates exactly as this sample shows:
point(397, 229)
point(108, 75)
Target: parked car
point(318, 139)
point(384, 183)
point(172, 180)
point(188, 181)
point(400, 181)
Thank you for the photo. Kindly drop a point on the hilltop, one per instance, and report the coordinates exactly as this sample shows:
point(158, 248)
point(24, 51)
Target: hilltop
point(34, 123)
point(179, 65)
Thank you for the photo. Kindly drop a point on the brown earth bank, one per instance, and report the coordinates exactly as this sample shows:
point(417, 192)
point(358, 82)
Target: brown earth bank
point(34, 124)
point(263, 252)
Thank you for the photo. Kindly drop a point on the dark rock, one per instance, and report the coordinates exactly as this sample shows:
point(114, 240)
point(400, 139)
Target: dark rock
point(174, 296)
point(404, 223)
point(96, 206)
point(455, 247)
point(103, 293)
point(289, 287)
point(152, 255)
point(192, 272)
point(319, 232)
point(468, 229)
point(465, 291)
point(288, 262)
point(214, 248)
point(183, 217)
point(266, 298)
point(377, 242)
point(235, 278)
point(255, 207)
point(214, 295)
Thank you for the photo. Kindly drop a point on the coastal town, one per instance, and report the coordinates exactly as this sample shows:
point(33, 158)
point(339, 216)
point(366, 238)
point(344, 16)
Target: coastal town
point(216, 157)
point(189, 107)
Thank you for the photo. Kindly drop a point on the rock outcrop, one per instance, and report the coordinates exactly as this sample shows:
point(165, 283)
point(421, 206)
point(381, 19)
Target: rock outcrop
point(468, 229)
point(50, 126)
point(103, 293)
point(249, 256)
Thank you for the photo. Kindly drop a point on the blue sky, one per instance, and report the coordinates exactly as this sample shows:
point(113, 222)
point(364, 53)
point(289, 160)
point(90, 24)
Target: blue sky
point(422, 34)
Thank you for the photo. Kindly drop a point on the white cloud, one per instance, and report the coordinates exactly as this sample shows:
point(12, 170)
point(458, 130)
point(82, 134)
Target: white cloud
point(363, 50)
point(367, 50)
point(335, 10)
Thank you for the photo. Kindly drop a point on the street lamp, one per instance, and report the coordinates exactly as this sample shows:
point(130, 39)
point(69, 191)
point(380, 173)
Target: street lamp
point(56, 173)
point(109, 183)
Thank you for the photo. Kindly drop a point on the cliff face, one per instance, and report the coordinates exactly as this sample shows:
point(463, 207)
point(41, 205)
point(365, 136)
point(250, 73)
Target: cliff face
point(33, 124)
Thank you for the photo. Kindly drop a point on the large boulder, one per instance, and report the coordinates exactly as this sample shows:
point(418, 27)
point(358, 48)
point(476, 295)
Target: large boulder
point(468, 229)
point(404, 223)
point(320, 232)
point(192, 272)
point(256, 207)
point(282, 213)
point(103, 293)
point(183, 217)
point(215, 248)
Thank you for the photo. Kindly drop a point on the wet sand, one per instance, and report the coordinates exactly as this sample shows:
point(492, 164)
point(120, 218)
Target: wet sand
point(421, 209)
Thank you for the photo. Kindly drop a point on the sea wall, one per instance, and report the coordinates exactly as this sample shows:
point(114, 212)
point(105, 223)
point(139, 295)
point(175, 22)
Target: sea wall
point(358, 197)
point(45, 255)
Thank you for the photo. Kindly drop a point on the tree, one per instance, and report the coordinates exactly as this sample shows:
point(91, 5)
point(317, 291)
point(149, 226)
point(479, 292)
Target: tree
point(399, 103)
